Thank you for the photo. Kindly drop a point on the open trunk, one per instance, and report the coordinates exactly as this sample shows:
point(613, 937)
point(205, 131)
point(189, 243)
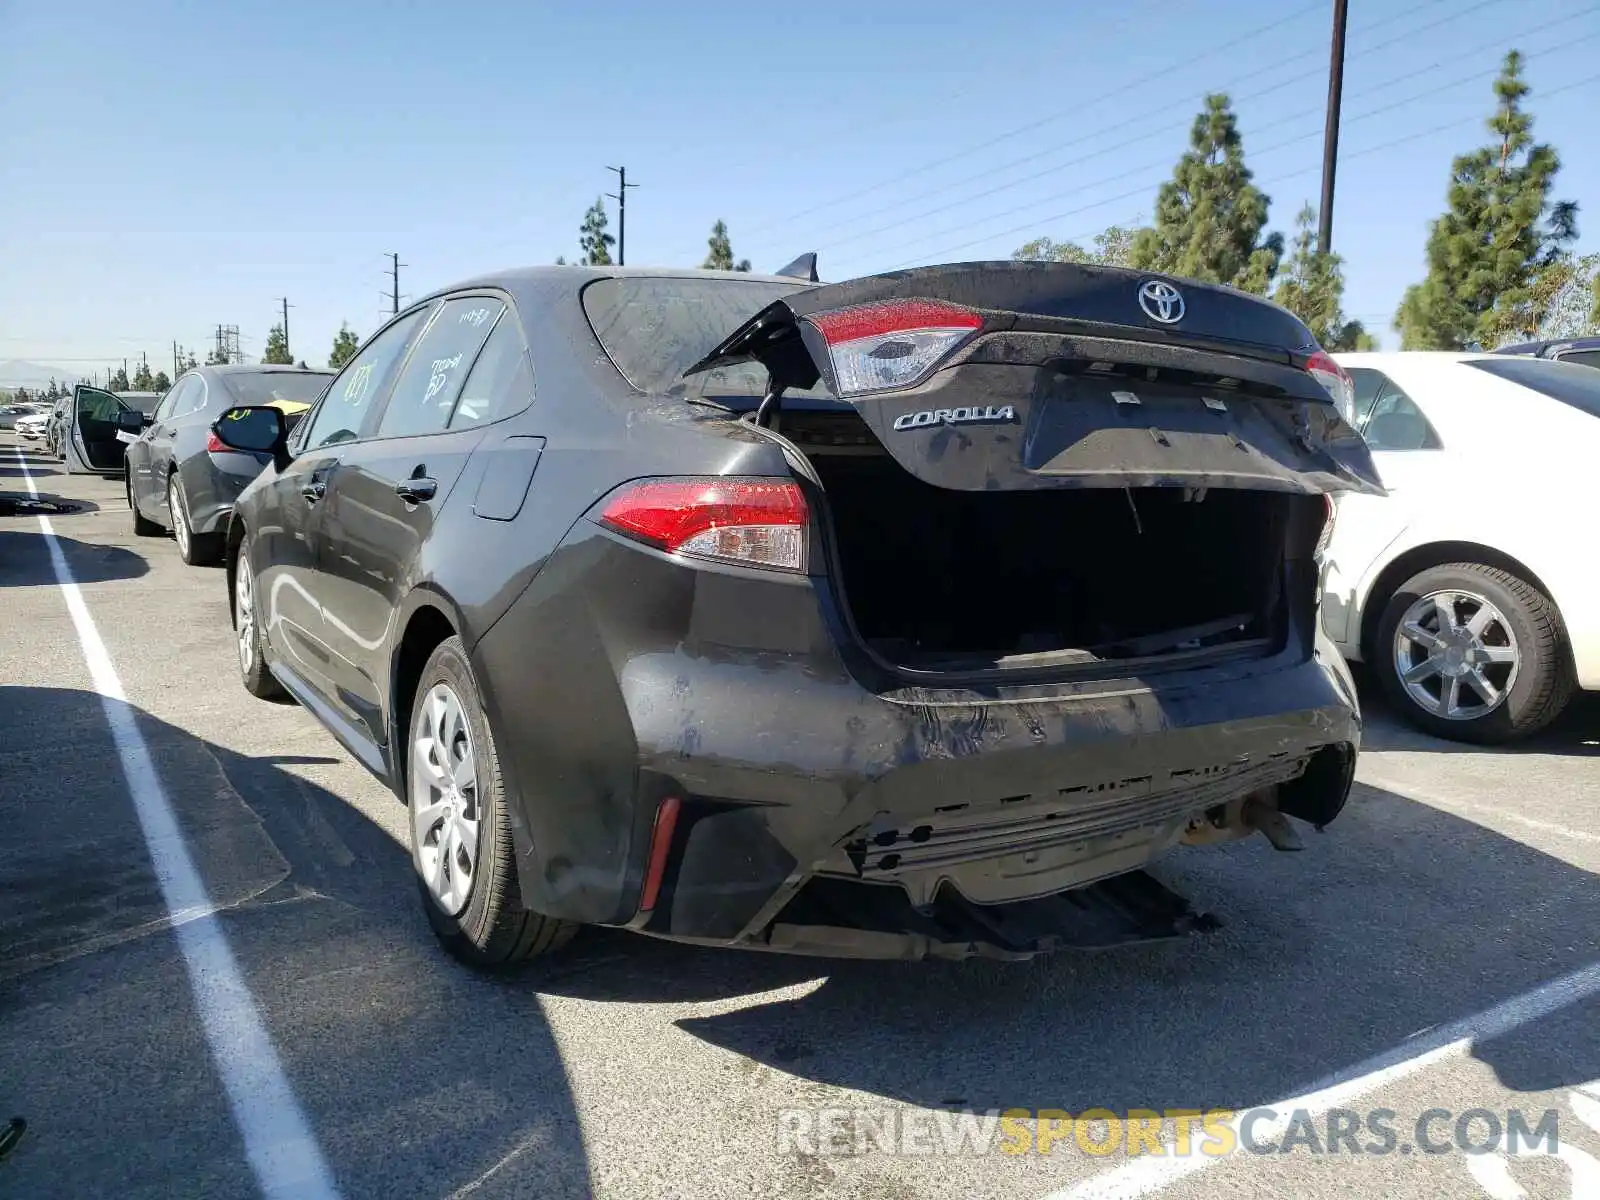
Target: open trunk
point(1041, 464)
point(944, 580)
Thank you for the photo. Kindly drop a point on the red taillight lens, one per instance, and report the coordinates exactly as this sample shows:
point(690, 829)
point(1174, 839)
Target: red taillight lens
point(1330, 511)
point(214, 443)
point(753, 522)
point(1336, 381)
point(893, 344)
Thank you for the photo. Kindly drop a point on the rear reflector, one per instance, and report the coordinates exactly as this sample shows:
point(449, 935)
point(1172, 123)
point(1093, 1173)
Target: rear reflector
point(752, 522)
point(214, 444)
point(1336, 381)
point(893, 344)
point(1330, 514)
point(660, 847)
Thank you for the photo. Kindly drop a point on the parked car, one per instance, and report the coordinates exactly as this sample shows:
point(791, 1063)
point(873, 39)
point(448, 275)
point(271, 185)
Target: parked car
point(56, 425)
point(95, 428)
point(1585, 352)
point(907, 615)
point(1470, 590)
point(180, 477)
point(31, 426)
point(10, 414)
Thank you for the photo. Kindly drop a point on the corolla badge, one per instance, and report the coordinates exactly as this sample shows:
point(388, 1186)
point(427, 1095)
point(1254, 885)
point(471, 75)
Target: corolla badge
point(1161, 301)
point(970, 415)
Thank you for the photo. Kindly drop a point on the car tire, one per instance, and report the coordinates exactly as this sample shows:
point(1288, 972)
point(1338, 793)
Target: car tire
point(196, 549)
point(142, 525)
point(258, 679)
point(455, 794)
point(1521, 625)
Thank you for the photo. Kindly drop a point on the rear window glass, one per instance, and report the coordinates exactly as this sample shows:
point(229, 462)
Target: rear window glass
point(1566, 382)
point(654, 329)
point(271, 387)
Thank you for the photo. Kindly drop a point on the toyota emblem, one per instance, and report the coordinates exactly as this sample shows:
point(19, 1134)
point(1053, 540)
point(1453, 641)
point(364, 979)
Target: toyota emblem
point(1161, 301)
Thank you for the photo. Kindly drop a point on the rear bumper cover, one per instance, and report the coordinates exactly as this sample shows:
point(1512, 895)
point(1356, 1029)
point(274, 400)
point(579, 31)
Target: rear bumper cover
point(611, 684)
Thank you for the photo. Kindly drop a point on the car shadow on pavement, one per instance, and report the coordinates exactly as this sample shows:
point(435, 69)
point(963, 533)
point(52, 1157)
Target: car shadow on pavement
point(1399, 918)
point(417, 1076)
point(25, 560)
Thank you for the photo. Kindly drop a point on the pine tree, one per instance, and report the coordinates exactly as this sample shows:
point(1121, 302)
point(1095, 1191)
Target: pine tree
point(143, 381)
point(593, 239)
point(1209, 216)
point(719, 254)
point(345, 346)
point(1111, 249)
point(1311, 286)
point(190, 363)
point(161, 383)
point(118, 382)
point(277, 350)
point(1499, 246)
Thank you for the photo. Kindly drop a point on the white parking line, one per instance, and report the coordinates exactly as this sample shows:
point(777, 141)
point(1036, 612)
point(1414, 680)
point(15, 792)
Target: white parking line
point(1144, 1176)
point(283, 1152)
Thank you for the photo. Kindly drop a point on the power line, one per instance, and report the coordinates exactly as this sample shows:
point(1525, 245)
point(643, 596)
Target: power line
point(1039, 123)
point(1164, 164)
point(902, 218)
point(1410, 137)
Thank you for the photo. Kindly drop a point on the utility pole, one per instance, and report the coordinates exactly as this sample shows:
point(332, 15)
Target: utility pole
point(1330, 135)
point(394, 281)
point(177, 363)
point(621, 197)
point(285, 301)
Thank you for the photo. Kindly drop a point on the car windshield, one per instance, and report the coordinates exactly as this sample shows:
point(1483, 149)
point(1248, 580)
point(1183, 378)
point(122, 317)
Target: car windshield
point(1567, 382)
point(655, 328)
point(277, 387)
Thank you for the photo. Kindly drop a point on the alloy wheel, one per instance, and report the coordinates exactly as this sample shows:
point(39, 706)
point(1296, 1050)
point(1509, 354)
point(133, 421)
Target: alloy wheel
point(1456, 655)
point(244, 615)
point(180, 520)
point(445, 809)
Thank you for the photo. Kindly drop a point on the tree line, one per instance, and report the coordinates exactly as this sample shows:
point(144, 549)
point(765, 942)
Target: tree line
point(1500, 267)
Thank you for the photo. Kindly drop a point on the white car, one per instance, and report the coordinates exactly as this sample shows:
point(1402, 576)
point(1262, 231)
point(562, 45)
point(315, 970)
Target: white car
point(1472, 590)
point(32, 427)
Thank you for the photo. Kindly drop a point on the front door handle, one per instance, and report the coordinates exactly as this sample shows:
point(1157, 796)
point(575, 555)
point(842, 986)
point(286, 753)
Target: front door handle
point(314, 490)
point(415, 491)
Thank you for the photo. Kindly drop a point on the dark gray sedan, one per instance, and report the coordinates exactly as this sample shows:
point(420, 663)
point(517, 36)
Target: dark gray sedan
point(180, 477)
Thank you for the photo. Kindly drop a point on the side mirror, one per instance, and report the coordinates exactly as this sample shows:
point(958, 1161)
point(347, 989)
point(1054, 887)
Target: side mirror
point(253, 429)
point(131, 420)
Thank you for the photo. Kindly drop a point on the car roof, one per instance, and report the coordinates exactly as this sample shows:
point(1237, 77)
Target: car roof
point(261, 369)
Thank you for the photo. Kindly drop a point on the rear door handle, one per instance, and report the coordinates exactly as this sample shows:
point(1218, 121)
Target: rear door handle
point(415, 491)
point(314, 490)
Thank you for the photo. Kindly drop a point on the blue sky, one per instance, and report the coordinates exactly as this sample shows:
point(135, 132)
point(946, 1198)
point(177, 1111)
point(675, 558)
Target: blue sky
point(169, 166)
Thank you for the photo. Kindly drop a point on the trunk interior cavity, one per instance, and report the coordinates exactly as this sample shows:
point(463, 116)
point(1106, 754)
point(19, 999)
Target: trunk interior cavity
point(958, 581)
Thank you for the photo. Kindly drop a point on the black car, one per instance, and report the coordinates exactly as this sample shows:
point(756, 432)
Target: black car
point(1583, 351)
point(909, 615)
point(180, 477)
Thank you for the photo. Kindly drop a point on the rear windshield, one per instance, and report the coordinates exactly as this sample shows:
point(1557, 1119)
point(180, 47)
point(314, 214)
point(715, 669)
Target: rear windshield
point(1566, 382)
point(654, 329)
point(269, 387)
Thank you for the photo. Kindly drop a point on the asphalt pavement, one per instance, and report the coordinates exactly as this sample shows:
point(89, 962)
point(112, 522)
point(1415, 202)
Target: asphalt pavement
point(1435, 949)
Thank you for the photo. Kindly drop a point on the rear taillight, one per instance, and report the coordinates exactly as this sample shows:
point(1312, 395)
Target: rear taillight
point(214, 444)
point(752, 522)
point(892, 344)
point(1336, 381)
point(1330, 512)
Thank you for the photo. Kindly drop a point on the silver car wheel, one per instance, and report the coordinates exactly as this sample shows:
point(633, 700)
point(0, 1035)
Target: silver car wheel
point(445, 810)
point(244, 616)
point(1456, 655)
point(180, 522)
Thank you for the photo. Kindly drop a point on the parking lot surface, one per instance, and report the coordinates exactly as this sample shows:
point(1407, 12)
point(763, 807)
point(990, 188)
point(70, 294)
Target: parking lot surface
point(1435, 949)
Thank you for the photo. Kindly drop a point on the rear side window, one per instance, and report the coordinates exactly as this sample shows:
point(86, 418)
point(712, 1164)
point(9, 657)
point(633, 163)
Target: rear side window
point(1387, 417)
point(500, 383)
point(1564, 381)
point(428, 385)
point(654, 329)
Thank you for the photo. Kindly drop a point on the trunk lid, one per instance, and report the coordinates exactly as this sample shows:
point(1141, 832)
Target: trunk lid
point(1061, 375)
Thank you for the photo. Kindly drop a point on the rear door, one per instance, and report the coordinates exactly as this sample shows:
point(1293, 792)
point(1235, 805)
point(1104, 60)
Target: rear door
point(383, 497)
point(92, 444)
point(1028, 375)
point(147, 461)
